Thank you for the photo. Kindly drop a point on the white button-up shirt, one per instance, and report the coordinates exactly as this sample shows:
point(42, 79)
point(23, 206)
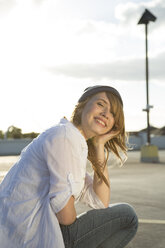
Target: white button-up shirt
point(49, 171)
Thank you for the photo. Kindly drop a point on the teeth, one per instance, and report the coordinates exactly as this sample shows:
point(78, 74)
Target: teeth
point(101, 122)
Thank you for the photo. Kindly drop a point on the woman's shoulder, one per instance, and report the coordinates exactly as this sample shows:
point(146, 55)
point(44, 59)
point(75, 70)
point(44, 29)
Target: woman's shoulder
point(54, 132)
point(64, 131)
point(61, 130)
point(73, 134)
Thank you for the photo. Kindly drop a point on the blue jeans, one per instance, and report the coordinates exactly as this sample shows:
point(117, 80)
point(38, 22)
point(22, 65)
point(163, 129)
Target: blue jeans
point(112, 227)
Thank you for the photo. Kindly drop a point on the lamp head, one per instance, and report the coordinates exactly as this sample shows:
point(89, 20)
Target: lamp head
point(147, 17)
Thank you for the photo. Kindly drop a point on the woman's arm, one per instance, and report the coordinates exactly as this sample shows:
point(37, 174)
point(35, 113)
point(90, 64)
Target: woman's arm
point(99, 186)
point(68, 214)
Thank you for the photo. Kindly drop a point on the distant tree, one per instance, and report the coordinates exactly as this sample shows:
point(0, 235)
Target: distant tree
point(162, 131)
point(31, 135)
point(14, 132)
point(1, 134)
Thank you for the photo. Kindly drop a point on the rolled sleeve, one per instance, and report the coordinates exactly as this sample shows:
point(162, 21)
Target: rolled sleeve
point(59, 199)
point(61, 163)
point(88, 195)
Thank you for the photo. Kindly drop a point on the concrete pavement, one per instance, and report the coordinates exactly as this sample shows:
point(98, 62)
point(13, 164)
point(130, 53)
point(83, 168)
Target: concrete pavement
point(143, 186)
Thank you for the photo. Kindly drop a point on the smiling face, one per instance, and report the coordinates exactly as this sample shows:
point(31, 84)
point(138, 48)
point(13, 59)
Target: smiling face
point(96, 116)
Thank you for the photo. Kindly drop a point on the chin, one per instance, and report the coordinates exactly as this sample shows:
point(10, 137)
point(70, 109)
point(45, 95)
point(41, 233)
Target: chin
point(96, 131)
point(100, 132)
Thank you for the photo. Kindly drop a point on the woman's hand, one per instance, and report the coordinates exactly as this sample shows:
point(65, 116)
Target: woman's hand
point(101, 140)
point(97, 147)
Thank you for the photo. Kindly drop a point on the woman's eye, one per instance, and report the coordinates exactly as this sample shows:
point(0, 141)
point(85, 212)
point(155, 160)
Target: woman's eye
point(100, 104)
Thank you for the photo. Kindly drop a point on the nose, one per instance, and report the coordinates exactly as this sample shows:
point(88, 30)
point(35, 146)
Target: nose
point(104, 114)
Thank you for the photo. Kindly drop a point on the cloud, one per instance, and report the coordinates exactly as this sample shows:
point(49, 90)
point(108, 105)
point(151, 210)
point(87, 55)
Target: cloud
point(38, 1)
point(123, 70)
point(6, 5)
point(157, 68)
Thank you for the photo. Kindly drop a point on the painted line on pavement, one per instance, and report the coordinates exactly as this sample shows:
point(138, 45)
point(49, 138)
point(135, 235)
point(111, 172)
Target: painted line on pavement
point(148, 221)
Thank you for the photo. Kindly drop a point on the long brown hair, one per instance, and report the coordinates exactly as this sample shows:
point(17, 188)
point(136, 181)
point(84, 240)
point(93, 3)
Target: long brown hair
point(116, 144)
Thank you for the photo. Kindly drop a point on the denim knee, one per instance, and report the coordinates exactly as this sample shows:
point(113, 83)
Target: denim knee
point(127, 215)
point(131, 216)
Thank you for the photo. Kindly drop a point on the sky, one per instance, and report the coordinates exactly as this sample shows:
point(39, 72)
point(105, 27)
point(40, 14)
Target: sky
point(51, 50)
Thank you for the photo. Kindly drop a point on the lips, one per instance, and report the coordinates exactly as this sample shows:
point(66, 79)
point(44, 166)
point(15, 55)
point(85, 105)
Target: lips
point(100, 121)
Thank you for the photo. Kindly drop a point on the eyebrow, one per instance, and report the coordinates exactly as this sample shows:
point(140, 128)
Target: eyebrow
point(102, 100)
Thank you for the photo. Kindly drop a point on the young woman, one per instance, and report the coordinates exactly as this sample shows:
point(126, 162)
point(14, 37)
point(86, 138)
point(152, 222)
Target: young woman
point(38, 194)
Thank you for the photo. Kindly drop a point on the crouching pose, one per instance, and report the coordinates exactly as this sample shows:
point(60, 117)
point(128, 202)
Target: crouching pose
point(38, 195)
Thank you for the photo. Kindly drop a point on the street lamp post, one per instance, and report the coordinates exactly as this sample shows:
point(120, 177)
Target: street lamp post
point(145, 19)
point(149, 152)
